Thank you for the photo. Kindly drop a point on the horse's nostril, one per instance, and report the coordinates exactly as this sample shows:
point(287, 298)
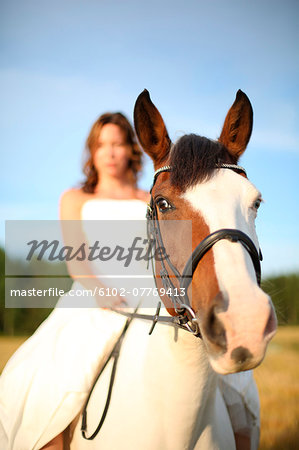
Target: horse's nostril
point(215, 330)
point(240, 355)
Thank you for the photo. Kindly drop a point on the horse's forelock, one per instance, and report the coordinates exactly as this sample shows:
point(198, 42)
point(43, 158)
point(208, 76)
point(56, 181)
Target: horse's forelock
point(194, 158)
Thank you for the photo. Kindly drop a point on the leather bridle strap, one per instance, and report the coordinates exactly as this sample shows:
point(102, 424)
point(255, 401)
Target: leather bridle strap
point(205, 245)
point(179, 321)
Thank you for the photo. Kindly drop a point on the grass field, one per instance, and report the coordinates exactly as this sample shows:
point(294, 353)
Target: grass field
point(8, 345)
point(278, 382)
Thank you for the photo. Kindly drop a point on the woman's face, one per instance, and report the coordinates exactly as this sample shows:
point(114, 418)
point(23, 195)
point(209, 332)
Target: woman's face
point(112, 154)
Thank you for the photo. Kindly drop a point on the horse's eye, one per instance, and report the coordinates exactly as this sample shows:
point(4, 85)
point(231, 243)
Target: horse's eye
point(163, 204)
point(257, 203)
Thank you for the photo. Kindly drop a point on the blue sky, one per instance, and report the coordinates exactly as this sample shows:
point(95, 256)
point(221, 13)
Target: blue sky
point(65, 62)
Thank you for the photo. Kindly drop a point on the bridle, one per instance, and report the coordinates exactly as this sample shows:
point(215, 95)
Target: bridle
point(185, 317)
point(181, 303)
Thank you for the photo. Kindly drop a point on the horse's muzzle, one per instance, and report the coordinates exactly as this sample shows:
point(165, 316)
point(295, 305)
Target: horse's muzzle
point(236, 336)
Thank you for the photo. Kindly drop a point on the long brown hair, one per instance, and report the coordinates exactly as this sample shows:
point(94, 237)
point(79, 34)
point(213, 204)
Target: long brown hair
point(135, 158)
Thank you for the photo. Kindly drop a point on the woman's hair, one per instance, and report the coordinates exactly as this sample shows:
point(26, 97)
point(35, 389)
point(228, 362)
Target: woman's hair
point(135, 157)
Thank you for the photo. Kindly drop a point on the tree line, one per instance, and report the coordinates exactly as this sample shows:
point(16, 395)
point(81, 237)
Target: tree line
point(283, 289)
point(21, 320)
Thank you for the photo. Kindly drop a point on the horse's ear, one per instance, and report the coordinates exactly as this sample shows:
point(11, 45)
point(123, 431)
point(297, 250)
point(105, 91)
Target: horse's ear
point(237, 126)
point(150, 129)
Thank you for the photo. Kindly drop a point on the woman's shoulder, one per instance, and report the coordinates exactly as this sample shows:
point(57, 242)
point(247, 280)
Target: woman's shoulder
point(73, 194)
point(71, 202)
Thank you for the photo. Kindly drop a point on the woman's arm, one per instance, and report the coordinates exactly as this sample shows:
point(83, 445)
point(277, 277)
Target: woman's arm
point(71, 204)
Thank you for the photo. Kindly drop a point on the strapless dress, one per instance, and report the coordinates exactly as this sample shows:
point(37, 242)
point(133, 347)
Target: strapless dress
point(45, 383)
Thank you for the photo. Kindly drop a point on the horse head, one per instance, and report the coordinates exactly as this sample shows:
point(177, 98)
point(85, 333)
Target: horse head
point(200, 181)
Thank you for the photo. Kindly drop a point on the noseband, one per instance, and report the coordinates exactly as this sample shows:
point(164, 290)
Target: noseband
point(181, 303)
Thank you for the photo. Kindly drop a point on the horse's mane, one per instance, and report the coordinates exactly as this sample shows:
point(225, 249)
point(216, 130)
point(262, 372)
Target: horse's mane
point(194, 158)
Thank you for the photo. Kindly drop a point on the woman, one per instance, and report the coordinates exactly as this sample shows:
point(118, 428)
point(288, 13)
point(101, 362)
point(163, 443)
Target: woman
point(111, 169)
point(45, 383)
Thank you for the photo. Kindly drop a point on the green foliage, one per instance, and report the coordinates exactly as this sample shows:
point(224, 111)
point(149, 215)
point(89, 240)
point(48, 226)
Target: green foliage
point(284, 291)
point(23, 321)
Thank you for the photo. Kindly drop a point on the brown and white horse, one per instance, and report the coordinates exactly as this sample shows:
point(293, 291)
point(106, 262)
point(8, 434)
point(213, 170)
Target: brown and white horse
point(167, 393)
point(236, 317)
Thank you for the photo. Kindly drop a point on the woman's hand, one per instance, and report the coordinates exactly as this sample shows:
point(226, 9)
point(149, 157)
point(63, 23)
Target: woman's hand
point(111, 302)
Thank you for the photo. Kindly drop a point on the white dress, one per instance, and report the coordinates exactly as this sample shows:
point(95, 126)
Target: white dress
point(45, 383)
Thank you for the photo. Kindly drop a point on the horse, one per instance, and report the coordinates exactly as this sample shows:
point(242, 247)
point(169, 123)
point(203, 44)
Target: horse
point(167, 390)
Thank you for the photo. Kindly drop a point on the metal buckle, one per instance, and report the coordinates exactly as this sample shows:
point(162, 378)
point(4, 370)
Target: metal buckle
point(149, 212)
point(187, 318)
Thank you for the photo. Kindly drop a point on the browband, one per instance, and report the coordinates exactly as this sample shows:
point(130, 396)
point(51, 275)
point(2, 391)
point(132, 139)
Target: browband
point(218, 166)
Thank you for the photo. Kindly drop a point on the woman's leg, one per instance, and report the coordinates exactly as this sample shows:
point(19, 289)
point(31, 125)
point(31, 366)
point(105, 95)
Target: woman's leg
point(55, 444)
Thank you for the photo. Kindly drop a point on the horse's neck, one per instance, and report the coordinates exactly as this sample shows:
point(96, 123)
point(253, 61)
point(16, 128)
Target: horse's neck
point(184, 380)
point(179, 353)
point(165, 394)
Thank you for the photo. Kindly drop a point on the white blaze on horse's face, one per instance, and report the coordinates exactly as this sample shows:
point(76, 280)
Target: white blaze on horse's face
point(229, 200)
